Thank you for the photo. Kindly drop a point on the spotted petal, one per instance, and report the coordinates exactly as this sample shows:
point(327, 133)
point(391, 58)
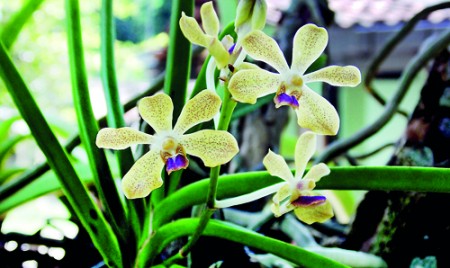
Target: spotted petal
point(144, 176)
point(248, 85)
point(309, 42)
point(157, 111)
point(317, 172)
point(316, 113)
point(304, 150)
point(200, 108)
point(262, 47)
point(214, 147)
point(277, 166)
point(121, 138)
point(349, 76)
point(210, 21)
point(192, 31)
point(314, 213)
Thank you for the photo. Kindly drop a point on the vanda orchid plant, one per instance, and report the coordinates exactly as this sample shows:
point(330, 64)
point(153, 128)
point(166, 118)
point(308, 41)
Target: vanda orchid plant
point(163, 188)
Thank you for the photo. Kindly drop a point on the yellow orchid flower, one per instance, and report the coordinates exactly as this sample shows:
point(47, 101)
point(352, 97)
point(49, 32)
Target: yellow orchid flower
point(296, 193)
point(170, 145)
point(208, 36)
point(290, 84)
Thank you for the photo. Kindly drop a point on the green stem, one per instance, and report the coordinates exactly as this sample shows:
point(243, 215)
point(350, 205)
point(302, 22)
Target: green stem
point(228, 105)
point(235, 233)
point(415, 65)
point(384, 178)
point(90, 216)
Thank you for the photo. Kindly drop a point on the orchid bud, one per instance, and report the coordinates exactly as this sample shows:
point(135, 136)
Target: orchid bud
point(250, 15)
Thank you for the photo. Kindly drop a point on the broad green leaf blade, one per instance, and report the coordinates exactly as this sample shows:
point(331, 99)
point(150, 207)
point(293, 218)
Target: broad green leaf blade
point(88, 213)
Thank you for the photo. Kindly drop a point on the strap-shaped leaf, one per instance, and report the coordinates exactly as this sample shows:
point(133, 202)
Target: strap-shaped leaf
point(90, 216)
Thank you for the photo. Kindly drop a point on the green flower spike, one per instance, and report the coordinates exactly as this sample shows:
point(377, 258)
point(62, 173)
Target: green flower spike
point(296, 194)
point(208, 37)
point(289, 84)
point(169, 146)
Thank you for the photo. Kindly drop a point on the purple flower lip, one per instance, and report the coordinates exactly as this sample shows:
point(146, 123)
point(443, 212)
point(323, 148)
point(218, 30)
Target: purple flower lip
point(306, 201)
point(285, 99)
point(231, 49)
point(176, 162)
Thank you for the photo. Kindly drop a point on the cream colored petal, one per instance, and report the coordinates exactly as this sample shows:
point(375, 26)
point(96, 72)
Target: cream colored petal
point(121, 138)
point(275, 208)
point(200, 108)
point(277, 166)
point(316, 113)
point(218, 51)
point(317, 172)
point(281, 194)
point(210, 21)
point(214, 147)
point(309, 42)
point(157, 111)
point(348, 76)
point(248, 85)
point(262, 47)
point(144, 176)
point(304, 150)
point(312, 214)
point(247, 66)
point(192, 31)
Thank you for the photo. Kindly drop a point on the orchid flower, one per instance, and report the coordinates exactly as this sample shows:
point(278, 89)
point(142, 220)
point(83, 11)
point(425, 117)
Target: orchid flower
point(290, 84)
point(207, 37)
point(169, 146)
point(296, 192)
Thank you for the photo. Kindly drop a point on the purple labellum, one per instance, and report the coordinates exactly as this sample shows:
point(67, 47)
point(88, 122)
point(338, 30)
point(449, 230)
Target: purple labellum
point(231, 49)
point(285, 99)
point(306, 201)
point(176, 162)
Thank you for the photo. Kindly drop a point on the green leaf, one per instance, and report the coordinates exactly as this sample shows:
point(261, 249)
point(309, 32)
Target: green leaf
point(8, 145)
point(5, 126)
point(87, 124)
point(12, 29)
point(178, 66)
point(45, 184)
point(7, 174)
point(90, 216)
point(114, 114)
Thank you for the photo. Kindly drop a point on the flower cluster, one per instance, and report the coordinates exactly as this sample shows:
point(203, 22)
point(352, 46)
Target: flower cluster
point(170, 146)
